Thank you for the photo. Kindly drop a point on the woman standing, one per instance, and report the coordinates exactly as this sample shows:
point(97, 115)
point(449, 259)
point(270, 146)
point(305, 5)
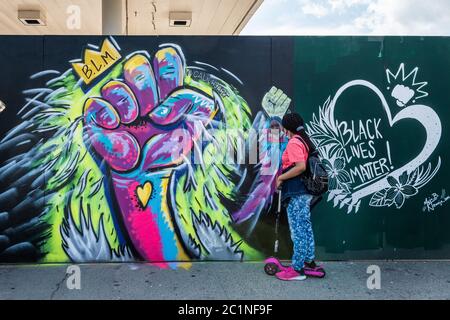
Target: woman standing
point(294, 161)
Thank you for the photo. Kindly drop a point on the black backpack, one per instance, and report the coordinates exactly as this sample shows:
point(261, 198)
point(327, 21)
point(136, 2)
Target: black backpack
point(315, 177)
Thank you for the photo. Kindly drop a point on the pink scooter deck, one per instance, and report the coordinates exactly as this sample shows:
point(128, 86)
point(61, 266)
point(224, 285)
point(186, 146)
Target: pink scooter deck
point(273, 266)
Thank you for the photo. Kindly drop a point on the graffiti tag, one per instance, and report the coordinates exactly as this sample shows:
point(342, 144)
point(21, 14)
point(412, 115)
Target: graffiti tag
point(435, 200)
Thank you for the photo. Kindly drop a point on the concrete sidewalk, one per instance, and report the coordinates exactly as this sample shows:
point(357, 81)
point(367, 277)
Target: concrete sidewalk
point(225, 280)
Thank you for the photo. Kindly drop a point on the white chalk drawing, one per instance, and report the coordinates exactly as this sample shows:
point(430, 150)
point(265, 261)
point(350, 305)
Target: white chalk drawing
point(342, 144)
point(435, 200)
point(403, 94)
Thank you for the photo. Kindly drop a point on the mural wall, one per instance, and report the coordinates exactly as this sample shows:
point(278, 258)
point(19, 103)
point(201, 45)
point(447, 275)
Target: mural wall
point(377, 109)
point(166, 149)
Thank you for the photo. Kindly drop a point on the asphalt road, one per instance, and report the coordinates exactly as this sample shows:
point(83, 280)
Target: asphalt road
point(224, 280)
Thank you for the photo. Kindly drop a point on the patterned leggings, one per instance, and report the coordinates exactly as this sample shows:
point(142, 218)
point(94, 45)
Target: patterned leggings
point(299, 217)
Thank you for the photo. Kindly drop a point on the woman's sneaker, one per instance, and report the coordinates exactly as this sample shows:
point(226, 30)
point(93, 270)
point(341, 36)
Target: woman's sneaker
point(313, 270)
point(311, 265)
point(291, 275)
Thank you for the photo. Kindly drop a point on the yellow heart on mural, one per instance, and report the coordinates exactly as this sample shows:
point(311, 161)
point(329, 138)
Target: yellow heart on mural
point(144, 192)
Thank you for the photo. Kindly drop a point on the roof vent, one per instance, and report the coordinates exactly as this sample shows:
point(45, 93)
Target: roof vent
point(180, 19)
point(31, 17)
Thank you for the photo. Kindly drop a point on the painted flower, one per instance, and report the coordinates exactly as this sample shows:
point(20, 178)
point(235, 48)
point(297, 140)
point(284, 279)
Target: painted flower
point(337, 176)
point(399, 190)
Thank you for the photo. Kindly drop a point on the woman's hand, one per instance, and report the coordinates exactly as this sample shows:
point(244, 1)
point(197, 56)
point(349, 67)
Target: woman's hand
point(279, 183)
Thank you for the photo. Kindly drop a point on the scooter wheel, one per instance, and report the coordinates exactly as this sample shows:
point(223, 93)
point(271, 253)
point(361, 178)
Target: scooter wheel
point(271, 269)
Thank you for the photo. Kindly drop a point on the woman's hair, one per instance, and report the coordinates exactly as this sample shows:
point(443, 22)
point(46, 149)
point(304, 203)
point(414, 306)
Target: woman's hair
point(294, 123)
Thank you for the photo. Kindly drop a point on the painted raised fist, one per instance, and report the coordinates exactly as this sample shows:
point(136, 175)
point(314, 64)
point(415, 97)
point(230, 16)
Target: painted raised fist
point(134, 123)
point(275, 102)
point(143, 126)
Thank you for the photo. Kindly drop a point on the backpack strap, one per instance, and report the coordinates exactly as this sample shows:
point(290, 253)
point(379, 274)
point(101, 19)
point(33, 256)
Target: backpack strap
point(302, 141)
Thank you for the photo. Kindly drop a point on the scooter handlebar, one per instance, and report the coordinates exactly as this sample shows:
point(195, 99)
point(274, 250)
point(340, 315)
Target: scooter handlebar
point(279, 201)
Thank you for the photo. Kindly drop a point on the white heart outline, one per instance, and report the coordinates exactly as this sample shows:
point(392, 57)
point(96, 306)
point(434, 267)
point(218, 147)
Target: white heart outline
point(425, 115)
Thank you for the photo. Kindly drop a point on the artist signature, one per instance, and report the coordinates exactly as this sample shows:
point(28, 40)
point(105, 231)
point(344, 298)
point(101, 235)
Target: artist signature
point(435, 201)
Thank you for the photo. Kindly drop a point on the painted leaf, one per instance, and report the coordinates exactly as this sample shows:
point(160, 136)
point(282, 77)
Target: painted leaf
point(358, 205)
point(335, 149)
point(413, 177)
point(403, 179)
point(345, 202)
point(392, 181)
point(338, 199)
point(409, 191)
point(324, 142)
point(344, 177)
point(378, 199)
point(350, 209)
point(339, 163)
